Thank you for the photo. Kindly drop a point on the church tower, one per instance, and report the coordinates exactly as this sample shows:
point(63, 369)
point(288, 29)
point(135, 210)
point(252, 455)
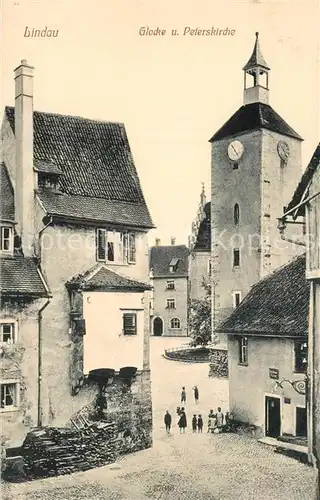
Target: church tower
point(256, 163)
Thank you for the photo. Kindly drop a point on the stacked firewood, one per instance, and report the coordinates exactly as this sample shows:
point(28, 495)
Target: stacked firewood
point(55, 451)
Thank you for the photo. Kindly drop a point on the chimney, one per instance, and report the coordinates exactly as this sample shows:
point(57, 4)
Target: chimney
point(173, 240)
point(25, 176)
point(158, 242)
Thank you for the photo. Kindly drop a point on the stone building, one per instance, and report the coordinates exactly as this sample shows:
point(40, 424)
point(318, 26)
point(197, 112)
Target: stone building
point(200, 249)
point(256, 164)
point(74, 270)
point(268, 353)
point(170, 296)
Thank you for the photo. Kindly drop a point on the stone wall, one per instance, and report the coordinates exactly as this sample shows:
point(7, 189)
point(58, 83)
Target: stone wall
point(218, 360)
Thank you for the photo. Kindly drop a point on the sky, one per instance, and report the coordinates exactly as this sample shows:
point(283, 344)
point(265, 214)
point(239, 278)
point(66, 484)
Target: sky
point(171, 92)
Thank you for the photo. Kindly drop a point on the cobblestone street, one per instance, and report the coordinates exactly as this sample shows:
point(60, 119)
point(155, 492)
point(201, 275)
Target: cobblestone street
point(201, 466)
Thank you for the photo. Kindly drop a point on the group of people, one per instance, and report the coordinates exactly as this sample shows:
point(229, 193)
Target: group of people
point(217, 421)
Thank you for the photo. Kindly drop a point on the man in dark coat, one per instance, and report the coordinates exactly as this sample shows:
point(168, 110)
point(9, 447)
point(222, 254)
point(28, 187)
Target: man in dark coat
point(194, 423)
point(196, 394)
point(200, 423)
point(167, 421)
point(182, 422)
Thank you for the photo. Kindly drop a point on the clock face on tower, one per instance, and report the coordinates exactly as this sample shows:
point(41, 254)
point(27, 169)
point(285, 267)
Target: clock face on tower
point(283, 150)
point(235, 150)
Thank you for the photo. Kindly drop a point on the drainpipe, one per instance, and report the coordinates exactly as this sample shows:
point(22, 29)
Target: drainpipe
point(39, 423)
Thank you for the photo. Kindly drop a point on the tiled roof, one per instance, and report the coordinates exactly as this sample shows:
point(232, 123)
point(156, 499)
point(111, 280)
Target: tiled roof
point(161, 256)
point(304, 182)
point(105, 280)
point(94, 157)
point(19, 276)
point(278, 305)
point(47, 168)
point(203, 241)
point(6, 195)
point(94, 209)
point(256, 58)
point(254, 116)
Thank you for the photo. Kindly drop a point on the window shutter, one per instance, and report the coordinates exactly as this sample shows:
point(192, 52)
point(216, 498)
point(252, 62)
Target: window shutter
point(101, 244)
point(129, 324)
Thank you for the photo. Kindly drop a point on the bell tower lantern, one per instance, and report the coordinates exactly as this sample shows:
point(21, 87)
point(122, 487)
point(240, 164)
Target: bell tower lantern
point(256, 77)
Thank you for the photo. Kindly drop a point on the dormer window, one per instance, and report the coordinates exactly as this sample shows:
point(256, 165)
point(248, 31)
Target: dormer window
point(6, 239)
point(48, 181)
point(173, 265)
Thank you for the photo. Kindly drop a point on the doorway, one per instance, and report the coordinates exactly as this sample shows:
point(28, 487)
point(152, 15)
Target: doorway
point(301, 421)
point(157, 327)
point(273, 416)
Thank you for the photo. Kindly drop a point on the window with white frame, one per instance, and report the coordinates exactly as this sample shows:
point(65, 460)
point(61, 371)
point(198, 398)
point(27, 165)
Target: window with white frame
point(300, 356)
point(170, 285)
point(237, 297)
point(9, 395)
point(8, 332)
point(115, 246)
point(171, 303)
point(129, 323)
point(175, 324)
point(6, 239)
point(243, 350)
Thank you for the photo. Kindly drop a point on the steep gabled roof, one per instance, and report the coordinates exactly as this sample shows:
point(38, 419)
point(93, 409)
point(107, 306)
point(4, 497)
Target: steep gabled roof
point(254, 116)
point(95, 162)
point(304, 182)
point(162, 256)
point(19, 276)
point(203, 241)
point(100, 278)
point(278, 305)
point(6, 196)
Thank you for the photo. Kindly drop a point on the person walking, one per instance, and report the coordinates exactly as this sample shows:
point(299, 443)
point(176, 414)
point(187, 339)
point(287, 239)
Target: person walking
point(167, 421)
point(183, 395)
point(200, 423)
point(194, 423)
point(182, 421)
point(196, 394)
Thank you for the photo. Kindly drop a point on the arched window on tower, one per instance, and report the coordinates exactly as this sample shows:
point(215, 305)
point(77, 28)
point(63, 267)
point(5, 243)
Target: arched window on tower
point(236, 214)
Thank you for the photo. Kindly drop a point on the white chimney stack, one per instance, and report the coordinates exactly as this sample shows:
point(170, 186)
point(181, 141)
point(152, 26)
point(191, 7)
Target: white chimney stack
point(158, 242)
point(173, 240)
point(25, 176)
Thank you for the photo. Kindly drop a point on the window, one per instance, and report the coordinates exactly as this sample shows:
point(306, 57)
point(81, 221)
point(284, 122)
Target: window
point(7, 332)
point(243, 351)
point(175, 324)
point(170, 285)
point(300, 357)
point(6, 240)
point(132, 248)
point(129, 323)
point(236, 299)
point(171, 303)
point(9, 395)
point(114, 246)
point(209, 267)
point(236, 214)
point(236, 257)
point(173, 265)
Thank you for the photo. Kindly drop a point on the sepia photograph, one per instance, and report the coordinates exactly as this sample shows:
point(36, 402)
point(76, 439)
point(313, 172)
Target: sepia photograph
point(160, 250)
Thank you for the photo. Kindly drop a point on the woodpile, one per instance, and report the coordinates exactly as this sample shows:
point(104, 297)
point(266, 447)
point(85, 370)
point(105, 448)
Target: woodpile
point(55, 451)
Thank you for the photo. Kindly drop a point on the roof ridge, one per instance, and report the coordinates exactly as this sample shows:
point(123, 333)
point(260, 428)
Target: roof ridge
point(77, 117)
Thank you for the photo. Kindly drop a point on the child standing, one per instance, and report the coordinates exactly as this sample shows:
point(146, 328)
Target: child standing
point(194, 423)
point(200, 423)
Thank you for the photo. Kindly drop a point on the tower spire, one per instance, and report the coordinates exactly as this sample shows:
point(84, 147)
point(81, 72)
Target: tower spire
point(256, 76)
